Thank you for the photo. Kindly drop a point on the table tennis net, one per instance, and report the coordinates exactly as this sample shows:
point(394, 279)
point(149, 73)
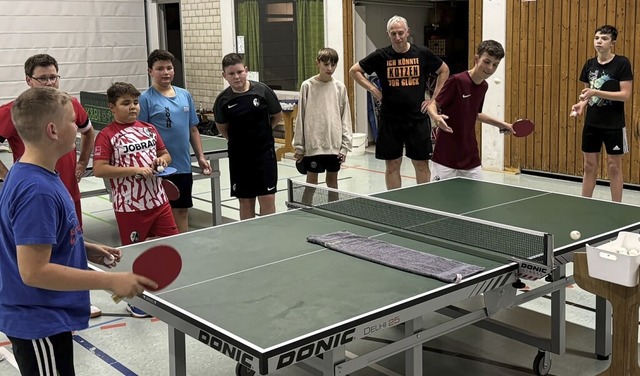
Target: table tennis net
point(498, 238)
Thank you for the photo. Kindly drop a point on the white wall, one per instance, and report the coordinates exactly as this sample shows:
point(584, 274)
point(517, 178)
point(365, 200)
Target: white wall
point(494, 13)
point(95, 42)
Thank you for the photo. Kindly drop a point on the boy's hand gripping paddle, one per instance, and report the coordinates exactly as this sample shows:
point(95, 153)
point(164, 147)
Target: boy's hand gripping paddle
point(161, 264)
point(522, 127)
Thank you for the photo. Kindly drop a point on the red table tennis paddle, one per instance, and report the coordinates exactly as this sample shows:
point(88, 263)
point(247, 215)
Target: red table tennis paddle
point(522, 127)
point(161, 264)
point(172, 191)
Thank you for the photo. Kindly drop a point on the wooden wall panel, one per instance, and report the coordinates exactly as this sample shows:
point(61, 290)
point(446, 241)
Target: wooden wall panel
point(548, 42)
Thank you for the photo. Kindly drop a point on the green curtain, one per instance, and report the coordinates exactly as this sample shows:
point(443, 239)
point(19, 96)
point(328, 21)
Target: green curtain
point(310, 28)
point(248, 23)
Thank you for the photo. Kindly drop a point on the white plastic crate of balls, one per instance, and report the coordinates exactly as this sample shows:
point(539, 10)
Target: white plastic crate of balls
point(616, 261)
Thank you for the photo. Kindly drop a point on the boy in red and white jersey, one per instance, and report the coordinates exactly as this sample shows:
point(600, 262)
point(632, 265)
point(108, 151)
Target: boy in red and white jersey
point(127, 152)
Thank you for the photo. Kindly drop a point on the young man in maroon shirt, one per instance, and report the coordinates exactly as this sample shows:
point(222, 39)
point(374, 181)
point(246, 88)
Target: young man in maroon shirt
point(460, 102)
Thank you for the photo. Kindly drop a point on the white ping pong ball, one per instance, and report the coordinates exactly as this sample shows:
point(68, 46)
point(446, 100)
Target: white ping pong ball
point(108, 260)
point(573, 114)
point(497, 80)
point(160, 168)
point(575, 234)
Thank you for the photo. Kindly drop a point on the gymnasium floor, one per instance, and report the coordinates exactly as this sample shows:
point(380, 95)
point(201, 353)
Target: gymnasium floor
point(116, 344)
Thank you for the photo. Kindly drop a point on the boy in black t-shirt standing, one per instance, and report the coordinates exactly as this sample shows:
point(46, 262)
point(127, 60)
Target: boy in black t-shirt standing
point(604, 121)
point(403, 69)
point(245, 114)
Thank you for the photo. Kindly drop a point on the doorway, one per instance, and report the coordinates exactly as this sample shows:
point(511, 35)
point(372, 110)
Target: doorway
point(170, 33)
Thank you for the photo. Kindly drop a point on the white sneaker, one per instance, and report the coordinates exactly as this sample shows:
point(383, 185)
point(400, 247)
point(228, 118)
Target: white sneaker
point(1, 357)
point(95, 312)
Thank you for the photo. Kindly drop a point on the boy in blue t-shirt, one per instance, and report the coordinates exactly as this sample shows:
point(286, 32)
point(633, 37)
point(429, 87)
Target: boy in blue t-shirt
point(44, 278)
point(172, 112)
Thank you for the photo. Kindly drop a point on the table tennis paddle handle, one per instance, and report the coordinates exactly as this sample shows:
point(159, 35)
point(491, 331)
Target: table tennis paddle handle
point(116, 298)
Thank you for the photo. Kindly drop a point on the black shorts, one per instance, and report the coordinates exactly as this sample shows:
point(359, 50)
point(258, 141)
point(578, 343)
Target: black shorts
point(253, 176)
point(184, 182)
point(614, 140)
point(414, 135)
point(31, 354)
point(322, 163)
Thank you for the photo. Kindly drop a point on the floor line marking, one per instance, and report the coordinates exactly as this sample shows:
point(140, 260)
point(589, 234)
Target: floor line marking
point(103, 356)
point(113, 326)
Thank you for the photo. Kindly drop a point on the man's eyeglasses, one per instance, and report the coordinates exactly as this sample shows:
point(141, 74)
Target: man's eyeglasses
point(168, 114)
point(46, 80)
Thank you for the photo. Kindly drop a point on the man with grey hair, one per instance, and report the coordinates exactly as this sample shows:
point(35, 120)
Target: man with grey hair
point(403, 69)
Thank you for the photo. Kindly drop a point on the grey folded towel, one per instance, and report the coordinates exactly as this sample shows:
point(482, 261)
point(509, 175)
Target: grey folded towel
point(395, 256)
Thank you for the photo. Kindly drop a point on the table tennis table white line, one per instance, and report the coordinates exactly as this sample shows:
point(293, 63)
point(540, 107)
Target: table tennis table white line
point(240, 271)
point(507, 203)
point(259, 266)
point(465, 214)
point(324, 249)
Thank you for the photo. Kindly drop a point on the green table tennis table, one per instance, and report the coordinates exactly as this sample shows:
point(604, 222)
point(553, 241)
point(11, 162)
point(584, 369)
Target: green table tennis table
point(259, 293)
point(214, 149)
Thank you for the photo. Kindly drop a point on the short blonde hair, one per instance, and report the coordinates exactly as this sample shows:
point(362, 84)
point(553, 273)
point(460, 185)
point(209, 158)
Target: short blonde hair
point(396, 19)
point(35, 108)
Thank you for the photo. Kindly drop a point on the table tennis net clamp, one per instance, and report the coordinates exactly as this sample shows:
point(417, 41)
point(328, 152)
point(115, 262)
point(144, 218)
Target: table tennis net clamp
point(532, 250)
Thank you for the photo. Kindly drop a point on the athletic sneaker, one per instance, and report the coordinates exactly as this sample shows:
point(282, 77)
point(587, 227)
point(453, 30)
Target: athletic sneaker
point(95, 312)
point(1, 357)
point(137, 312)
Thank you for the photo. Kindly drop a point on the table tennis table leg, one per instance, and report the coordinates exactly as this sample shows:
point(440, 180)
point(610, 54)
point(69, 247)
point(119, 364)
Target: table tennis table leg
point(216, 199)
point(413, 356)
point(558, 314)
point(177, 353)
point(603, 328)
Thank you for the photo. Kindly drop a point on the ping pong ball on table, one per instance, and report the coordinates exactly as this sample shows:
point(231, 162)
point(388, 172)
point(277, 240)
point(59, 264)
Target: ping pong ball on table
point(160, 168)
point(575, 234)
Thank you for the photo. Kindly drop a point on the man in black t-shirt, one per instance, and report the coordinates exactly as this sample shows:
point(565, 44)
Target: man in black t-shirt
point(403, 69)
point(245, 114)
point(604, 121)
